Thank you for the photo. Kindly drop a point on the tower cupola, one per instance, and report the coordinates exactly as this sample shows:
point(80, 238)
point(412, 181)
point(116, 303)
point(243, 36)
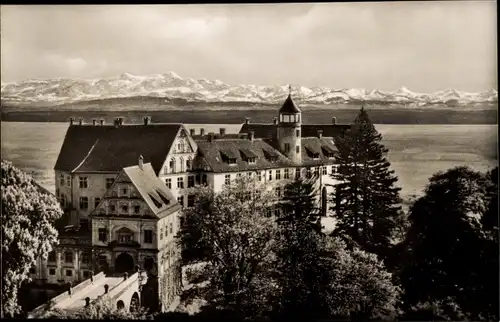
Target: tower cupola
point(289, 128)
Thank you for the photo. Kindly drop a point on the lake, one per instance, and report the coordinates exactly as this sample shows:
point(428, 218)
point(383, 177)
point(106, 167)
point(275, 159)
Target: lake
point(415, 151)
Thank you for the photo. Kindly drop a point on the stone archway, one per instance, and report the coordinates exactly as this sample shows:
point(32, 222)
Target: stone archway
point(135, 302)
point(124, 263)
point(120, 305)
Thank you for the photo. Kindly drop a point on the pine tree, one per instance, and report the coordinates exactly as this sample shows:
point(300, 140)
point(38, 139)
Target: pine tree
point(367, 202)
point(301, 275)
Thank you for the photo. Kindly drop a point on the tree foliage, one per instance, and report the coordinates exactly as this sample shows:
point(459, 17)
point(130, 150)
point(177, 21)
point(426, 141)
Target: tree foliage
point(237, 238)
point(367, 203)
point(99, 310)
point(300, 272)
point(28, 215)
point(451, 256)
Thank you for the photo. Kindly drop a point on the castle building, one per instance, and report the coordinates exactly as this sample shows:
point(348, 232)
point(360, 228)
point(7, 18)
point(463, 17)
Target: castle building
point(122, 186)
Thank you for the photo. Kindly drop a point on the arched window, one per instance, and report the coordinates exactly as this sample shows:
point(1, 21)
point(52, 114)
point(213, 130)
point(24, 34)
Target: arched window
point(182, 164)
point(172, 165)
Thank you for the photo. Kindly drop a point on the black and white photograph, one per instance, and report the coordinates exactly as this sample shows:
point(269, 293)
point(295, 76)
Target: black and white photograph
point(330, 161)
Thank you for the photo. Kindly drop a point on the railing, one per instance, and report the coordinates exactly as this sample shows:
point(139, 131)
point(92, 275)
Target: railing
point(37, 312)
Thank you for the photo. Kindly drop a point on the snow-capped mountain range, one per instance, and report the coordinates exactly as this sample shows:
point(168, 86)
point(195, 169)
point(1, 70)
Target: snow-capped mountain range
point(172, 86)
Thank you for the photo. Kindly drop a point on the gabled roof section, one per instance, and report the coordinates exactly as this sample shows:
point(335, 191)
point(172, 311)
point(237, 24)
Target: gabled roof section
point(289, 106)
point(247, 153)
point(210, 152)
point(153, 191)
point(106, 148)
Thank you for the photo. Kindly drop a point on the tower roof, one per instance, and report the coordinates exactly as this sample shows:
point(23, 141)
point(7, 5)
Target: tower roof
point(289, 106)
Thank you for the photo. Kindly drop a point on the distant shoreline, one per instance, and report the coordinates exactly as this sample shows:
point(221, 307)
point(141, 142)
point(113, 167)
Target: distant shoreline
point(310, 116)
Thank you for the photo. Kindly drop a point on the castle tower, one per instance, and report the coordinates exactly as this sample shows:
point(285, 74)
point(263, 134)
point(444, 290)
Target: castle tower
point(289, 129)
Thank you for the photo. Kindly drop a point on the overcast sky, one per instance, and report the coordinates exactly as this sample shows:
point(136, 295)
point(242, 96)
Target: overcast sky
point(425, 46)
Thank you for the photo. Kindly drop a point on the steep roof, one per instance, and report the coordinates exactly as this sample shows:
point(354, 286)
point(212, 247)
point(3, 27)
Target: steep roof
point(152, 190)
point(106, 148)
point(289, 106)
point(212, 152)
point(268, 131)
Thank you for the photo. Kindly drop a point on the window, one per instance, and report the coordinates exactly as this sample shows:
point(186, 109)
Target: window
point(325, 170)
point(287, 174)
point(85, 258)
point(84, 203)
point(334, 169)
point(165, 169)
point(297, 173)
point(32, 270)
point(204, 179)
point(63, 200)
point(61, 178)
point(103, 236)
point(109, 182)
point(278, 174)
point(180, 183)
point(112, 208)
point(168, 182)
point(84, 182)
point(52, 256)
point(227, 179)
point(68, 257)
point(190, 200)
point(180, 200)
point(68, 181)
point(297, 132)
point(278, 191)
point(137, 209)
point(287, 147)
point(125, 208)
point(69, 272)
point(52, 271)
point(172, 165)
point(259, 176)
point(148, 236)
point(297, 149)
point(166, 231)
point(171, 228)
point(316, 171)
point(190, 181)
point(96, 202)
point(189, 164)
point(181, 161)
point(124, 191)
point(270, 175)
point(238, 175)
point(125, 235)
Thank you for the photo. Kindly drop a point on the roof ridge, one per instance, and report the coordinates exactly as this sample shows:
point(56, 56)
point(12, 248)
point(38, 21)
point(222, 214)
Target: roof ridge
point(88, 154)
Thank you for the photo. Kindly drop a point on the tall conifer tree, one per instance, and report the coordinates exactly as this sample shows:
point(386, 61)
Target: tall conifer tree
point(367, 203)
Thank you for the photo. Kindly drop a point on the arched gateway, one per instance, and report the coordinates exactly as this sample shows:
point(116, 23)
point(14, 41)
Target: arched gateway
point(124, 263)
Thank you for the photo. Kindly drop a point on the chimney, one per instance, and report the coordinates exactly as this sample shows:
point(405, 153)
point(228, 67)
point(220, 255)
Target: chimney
point(191, 132)
point(222, 131)
point(141, 162)
point(275, 121)
point(334, 120)
point(147, 120)
point(80, 121)
point(94, 121)
point(251, 135)
point(210, 137)
point(247, 120)
point(320, 133)
point(101, 121)
point(202, 131)
point(71, 119)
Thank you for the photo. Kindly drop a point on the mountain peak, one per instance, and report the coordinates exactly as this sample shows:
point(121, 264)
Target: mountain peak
point(170, 85)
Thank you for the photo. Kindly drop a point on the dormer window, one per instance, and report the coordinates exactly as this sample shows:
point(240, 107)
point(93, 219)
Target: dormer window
point(229, 156)
point(312, 153)
point(271, 155)
point(248, 155)
point(328, 151)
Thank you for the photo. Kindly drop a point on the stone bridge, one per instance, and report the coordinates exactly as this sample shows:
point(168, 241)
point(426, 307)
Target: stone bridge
point(122, 291)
